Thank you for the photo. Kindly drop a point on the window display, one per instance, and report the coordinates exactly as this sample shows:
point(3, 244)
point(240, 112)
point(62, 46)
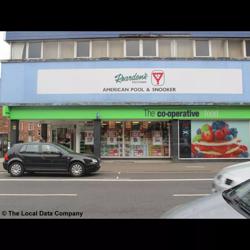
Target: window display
point(87, 138)
point(135, 139)
point(111, 139)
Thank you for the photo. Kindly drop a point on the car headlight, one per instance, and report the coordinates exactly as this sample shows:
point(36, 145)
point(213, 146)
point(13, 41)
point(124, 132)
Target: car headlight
point(94, 161)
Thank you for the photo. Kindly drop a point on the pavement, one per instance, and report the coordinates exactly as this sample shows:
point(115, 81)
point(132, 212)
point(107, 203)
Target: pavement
point(158, 166)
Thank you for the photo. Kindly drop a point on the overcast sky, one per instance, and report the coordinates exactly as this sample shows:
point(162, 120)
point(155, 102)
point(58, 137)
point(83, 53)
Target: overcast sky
point(4, 48)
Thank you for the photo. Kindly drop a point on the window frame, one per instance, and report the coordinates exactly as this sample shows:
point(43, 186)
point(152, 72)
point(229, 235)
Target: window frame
point(155, 40)
point(28, 48)
point(122, 40)
point(75, 49)
point(106, 48)
point(245, 48)
point(242, 48)
point(60, 49)
point(57, 54)
point(175, 45)
point(209, 48)
point(140, 48)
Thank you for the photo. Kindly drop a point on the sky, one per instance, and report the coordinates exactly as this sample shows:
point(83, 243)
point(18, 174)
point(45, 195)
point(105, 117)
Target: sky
point(4, 49)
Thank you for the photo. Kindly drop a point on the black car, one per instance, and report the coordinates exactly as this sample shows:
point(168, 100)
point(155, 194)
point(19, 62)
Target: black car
point(47, 157)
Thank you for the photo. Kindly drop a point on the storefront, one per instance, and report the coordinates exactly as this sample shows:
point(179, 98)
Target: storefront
point(196, 132)
point(135, 108)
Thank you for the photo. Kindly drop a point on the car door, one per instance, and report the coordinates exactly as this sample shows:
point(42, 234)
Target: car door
point(31, 156)
point(53, 158)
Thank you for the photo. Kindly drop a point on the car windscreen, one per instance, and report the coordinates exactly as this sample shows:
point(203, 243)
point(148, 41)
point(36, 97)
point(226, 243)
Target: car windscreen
point(239, 196)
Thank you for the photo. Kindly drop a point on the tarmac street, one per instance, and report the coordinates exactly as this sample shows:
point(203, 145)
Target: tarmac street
point(121, 189)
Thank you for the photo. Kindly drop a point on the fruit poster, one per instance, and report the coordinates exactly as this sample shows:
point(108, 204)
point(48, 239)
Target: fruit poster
point(220, 139)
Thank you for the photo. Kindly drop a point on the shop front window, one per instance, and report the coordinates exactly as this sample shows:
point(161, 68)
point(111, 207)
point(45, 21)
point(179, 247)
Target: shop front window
point(146, 139)
point(135, 139)
point(87, 138)
point(111, 139)
point(64, 136)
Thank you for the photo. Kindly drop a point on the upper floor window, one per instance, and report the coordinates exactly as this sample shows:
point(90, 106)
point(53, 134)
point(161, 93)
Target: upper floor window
point(248, 48)
point(165, 47)
point(99, 48)
point(18, 51)
point(132, 48)
point(149, 47)
point(184, 48)
point(202, 48)
point(218, 48)
point(34, 50)
point(116, 48)
point(235, 48)
point(50, 50)
point(66, 49)
point(82, 49)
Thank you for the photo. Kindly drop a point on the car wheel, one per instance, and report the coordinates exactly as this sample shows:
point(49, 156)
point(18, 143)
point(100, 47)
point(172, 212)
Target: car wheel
point(77, 169)
point(16, 169)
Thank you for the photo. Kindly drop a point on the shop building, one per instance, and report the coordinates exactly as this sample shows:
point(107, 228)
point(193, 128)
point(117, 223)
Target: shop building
point(156, 95)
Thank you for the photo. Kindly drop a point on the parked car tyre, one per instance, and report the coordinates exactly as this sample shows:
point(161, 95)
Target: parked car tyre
point(16, 169)
point(77, 169)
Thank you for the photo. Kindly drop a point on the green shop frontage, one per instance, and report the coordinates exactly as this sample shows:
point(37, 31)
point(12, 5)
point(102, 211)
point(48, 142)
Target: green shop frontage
point(142, 132)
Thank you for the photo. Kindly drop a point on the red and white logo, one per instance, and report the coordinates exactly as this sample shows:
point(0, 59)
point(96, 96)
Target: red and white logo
point(158, 77)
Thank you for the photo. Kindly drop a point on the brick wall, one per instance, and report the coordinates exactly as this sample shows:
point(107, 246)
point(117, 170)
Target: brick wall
point(4, 123)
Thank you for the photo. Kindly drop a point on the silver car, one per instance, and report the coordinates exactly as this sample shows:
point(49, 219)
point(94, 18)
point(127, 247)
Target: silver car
point(233, 203)
point(231, 176)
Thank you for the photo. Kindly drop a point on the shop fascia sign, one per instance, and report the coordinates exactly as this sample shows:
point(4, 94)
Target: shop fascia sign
point(140, 81)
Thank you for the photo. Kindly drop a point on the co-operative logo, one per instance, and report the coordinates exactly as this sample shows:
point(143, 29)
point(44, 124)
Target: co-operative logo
point(158, 77)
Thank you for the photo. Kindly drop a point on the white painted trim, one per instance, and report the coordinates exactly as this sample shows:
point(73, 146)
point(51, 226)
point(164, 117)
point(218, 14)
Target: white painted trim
point(90, 48)
point(210, 48)
point(124, 48)
point(157, 47)
point(194, 49)
point(173, 48)
point(107, 50)
point(244, 48)
point(27, 50)
point(11, 50)
point(41, 50)
point(59, 48)
point(226, 49)
point(75, 49)
point(140, 48)
point(58, 51)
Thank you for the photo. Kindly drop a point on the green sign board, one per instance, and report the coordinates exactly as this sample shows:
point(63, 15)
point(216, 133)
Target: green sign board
point(126, 112)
